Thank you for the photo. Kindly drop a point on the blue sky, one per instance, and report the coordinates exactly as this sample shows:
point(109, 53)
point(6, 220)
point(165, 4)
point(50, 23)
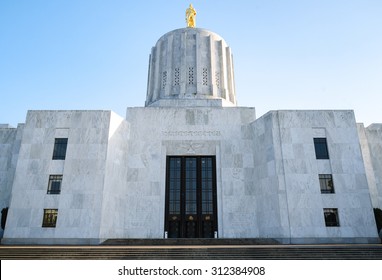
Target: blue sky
point(93, 54)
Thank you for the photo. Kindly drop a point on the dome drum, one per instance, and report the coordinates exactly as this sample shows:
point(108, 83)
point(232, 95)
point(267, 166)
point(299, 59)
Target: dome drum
point(190, 63)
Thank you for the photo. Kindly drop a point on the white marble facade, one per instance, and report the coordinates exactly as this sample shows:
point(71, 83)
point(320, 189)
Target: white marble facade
point(10, 139)
point(89, 176)
point(114, 172)
point(287, 174)
point(371, 144)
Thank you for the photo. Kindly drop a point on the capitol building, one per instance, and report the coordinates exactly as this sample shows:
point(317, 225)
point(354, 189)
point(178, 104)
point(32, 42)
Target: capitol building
point(190, 164)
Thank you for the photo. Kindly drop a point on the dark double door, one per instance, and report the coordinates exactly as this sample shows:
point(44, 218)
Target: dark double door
point(191, 210)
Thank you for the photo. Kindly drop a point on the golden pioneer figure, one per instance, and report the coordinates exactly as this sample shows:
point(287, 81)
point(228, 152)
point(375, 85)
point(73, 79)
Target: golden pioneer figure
point(191, 16)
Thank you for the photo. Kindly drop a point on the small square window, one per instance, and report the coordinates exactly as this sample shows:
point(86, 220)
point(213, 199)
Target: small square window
point(331, 217)
point(321, 148)
point(326, 183)
point(59, 150)
point(50, 218)
point(54, 185)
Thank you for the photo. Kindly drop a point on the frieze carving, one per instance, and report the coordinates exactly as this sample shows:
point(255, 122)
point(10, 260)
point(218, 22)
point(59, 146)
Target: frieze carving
point(190, 133)
point(191, 147)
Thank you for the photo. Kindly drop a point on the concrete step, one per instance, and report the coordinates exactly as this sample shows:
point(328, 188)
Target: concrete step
point(189, 252)
point(192, 241)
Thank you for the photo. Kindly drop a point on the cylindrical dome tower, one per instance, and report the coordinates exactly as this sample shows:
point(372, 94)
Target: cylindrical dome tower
point(191, 67)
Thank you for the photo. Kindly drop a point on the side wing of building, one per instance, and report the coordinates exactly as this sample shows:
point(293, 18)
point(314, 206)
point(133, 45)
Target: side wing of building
point(65, 178)
point(312, 183)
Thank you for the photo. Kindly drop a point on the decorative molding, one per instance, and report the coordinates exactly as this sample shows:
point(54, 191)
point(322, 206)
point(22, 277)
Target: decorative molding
point(191, 147)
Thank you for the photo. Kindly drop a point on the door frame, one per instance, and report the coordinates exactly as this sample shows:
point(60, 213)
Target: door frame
point(200, 217)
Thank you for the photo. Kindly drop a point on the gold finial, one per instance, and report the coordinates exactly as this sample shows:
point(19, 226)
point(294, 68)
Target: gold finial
point(191, 16)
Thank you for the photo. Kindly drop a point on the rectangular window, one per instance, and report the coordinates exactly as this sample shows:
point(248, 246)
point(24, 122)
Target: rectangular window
point(331, 217)
point(50, 218)
point(59, 150)
point(54, 185)
point(326, 183)
point(321, 148)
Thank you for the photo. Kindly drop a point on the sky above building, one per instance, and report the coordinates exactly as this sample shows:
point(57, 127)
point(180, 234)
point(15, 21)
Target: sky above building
point(93, 54)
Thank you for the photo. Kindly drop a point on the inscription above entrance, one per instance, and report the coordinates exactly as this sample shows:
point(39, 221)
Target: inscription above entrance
point(191, 133)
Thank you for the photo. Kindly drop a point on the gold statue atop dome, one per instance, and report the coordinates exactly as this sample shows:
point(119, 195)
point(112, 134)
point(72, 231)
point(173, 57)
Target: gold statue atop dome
point(191, 16)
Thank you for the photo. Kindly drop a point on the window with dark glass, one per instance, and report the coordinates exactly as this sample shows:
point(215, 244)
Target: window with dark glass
point(326, 183)
point(54, 185)
point(321, 148)
point(50, 218)
point(59, 150)
point(331, 217)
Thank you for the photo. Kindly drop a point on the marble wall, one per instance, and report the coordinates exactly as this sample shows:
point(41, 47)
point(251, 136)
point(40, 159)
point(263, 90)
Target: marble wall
point(114, 202)
point(10, 139)
point(371, 144)
point(269, 184)
point(80, 203)
point(294, 185)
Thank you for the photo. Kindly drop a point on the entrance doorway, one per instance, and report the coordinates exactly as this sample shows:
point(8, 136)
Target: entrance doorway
point(191, 210)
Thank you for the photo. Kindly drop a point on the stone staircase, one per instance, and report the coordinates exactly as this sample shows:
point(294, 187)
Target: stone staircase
point(191, 241)
point(192, 252)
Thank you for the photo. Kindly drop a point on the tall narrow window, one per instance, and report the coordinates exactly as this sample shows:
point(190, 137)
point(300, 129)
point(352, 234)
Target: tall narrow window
point(326, 183)
point(54, 185)
point(190, 75)
point(164, 79)
point(59, 150)
point(177, 77)
point(331, 217)
point(217, 79)
point(321, 148)
point(50, 218)
point(205, 76)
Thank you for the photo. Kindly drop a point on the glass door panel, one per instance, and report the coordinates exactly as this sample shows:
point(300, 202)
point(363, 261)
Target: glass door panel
point(191, 197)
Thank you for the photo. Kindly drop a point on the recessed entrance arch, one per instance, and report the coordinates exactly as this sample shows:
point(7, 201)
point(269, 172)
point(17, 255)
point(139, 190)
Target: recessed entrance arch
point(191, 209)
